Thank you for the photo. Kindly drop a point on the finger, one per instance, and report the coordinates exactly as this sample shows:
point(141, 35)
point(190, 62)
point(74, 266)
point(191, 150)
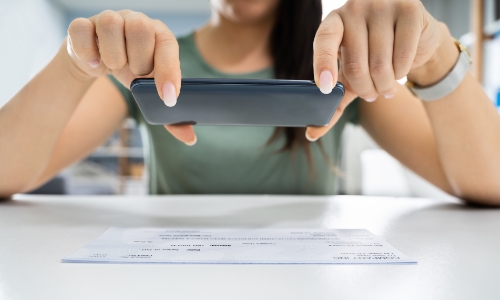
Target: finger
point(381, 44)
point(314, 133)
point(166, 64)
point(184, 133)
point(82, 40)
point(110, 28)
point(354, 63)
point(326, 46)
point(140, 42)
point(407, 36)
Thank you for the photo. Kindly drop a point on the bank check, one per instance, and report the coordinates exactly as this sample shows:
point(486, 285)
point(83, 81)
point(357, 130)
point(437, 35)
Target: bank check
point(238, 246)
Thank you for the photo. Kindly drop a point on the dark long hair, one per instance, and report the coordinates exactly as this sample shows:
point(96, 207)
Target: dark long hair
point(292, 51)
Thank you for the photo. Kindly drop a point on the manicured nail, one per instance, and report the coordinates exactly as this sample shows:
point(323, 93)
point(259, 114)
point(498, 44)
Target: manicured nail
point(191, 143)
point(94, 64)
point(326, 82)
point(169, 96)
point(388, 96)
point(371, 99)
point(308, 137)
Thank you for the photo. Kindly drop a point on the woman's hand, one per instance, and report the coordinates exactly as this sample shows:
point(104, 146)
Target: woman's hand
point(128, 45)
point(377, 42)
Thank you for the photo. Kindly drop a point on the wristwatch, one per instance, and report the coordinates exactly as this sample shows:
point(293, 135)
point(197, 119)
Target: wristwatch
point(448, 84)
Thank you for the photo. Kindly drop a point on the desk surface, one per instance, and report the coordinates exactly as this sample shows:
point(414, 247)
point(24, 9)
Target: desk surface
point(457, 248)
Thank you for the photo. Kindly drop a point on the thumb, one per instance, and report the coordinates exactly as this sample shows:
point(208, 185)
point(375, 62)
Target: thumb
point(314, 133)
point(184, 133)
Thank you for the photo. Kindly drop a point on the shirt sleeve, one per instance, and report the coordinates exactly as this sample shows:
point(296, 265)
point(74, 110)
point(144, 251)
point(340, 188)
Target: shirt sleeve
point(133, 109)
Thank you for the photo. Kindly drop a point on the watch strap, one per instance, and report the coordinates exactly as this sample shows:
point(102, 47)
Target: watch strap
point(448, 84)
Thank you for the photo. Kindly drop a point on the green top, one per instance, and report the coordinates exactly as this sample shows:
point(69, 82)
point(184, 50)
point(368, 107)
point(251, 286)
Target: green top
point(232, 159)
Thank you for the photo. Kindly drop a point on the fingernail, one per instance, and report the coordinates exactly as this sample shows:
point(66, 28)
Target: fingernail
point(191, 143)
point(94, 64)
point(308, 137)
point(371, 99)
point(388, 96)
point(326, 82)
point(169, 96)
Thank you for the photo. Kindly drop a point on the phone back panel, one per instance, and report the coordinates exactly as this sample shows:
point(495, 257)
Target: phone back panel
point(287, 103)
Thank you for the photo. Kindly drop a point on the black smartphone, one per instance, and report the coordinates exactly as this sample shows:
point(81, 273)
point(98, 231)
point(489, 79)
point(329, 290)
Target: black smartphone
point(249, 102)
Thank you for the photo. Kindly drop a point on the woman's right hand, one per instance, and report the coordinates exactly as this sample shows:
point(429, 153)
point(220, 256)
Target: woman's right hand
point(128, 45)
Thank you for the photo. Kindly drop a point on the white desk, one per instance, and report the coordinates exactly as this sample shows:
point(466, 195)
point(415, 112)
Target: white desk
point(457, 247)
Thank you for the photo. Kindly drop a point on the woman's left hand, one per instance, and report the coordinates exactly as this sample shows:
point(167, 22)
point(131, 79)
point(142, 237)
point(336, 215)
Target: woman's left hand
point(377, 43)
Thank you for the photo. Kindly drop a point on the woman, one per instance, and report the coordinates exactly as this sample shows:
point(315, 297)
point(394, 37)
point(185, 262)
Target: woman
point(71, 106)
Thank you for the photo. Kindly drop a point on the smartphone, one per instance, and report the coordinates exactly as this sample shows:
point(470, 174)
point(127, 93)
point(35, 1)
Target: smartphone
point(249, 102)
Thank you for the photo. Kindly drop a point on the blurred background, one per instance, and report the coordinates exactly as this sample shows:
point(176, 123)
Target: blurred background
point(31, 32)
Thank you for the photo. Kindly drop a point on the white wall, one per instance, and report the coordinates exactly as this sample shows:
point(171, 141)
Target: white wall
point(31, 32)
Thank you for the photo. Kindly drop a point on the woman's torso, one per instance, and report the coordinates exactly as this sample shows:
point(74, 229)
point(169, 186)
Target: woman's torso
point(230, 159)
